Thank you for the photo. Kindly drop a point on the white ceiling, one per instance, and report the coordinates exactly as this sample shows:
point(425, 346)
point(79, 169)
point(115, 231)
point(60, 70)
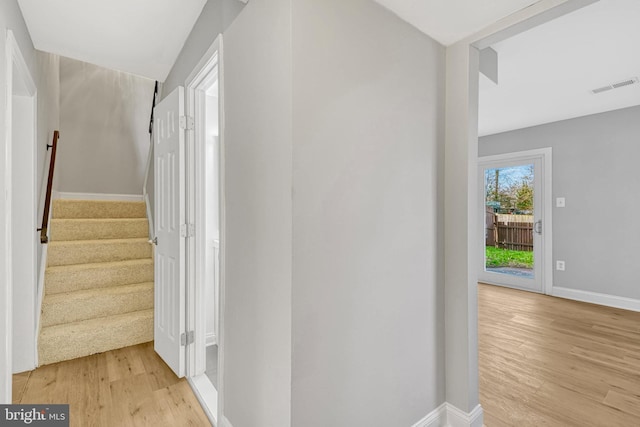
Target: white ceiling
point(449, 21)
point(546, 74)
point(142, 37)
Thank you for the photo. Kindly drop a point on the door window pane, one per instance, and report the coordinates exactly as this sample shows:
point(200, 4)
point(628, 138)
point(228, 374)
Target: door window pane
point(509, 220)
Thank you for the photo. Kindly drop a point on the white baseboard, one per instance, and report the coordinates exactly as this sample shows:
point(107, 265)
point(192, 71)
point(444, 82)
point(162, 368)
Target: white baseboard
point(206, 395)
point(447, 415)
point(436, 418)
point(43, 267)
point(224, 422)
point(459, 418)
point(98, 196)
point(597, 298)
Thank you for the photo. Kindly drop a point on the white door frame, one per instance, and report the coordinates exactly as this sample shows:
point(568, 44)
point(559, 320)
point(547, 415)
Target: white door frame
point(15, 59)
point(545, 176)
point(210, 63)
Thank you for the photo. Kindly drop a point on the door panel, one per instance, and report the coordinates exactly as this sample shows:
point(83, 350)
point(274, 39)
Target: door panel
point(511, 207)
point(169, 210)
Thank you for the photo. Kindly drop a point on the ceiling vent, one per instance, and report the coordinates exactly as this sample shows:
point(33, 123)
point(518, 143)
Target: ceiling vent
point(617, 85)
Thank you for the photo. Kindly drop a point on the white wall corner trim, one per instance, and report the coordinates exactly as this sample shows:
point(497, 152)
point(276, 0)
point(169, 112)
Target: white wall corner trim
point(459, 418)
point(98, 196)
point(447, 415)
point(435, 418)
point(43, 268)
point(597, 298)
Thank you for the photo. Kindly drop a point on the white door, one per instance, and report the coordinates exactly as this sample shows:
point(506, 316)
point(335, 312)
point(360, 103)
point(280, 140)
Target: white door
point(169, 158)
point(513, 209)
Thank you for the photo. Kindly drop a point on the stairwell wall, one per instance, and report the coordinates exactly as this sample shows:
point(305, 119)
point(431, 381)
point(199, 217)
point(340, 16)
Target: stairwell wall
point(48, 82)
point(104, 129)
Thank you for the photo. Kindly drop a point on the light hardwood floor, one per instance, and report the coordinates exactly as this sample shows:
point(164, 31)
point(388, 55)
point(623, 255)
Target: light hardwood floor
point(129, 387)
point(547, 361)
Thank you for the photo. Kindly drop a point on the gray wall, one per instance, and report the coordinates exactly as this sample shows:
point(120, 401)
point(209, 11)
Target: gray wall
point(215, 18)
point(595, 167)
point(368, 341)
point(104, 123)
point(257, 335)
point(334, 303)
point(48, 71)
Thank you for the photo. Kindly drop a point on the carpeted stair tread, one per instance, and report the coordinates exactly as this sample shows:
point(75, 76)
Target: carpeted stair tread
point(92, 251)
point(98, 228)
point(88, 304)
point(65, 208)
point(76, 277)
point(71, 340)
point(99, 291)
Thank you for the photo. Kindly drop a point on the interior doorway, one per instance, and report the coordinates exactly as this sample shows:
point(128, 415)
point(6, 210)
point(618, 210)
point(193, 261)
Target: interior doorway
point(189, 224)
point(205, 210)
point(565, 117)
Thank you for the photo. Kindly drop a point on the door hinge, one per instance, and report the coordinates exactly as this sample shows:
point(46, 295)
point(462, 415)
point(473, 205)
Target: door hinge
point(186, 122)
point(187, 230)
point(186, 338)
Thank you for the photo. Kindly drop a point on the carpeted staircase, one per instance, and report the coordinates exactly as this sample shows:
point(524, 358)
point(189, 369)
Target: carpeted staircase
point(99, 280)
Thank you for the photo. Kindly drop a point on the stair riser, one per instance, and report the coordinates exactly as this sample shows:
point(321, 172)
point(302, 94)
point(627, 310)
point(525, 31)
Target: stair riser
point(98, 209)
point(67, 253)
point(62, 230)
point(65, 342)
point(73, 309)
point(97, 277)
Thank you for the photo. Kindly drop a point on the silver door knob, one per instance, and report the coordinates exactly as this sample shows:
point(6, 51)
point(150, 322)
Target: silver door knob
point(537, 226)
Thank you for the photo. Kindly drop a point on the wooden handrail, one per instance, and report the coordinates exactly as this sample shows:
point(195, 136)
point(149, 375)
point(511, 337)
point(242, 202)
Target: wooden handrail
point(47, 201)
point(153, 105)
point(145, 194)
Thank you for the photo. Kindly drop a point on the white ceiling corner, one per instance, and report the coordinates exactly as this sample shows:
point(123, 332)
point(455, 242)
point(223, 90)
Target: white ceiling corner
point(546, 74)
point(142, 37)
point(449, 21)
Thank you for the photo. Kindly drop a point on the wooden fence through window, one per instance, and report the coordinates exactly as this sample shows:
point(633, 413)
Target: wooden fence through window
point(513, 232)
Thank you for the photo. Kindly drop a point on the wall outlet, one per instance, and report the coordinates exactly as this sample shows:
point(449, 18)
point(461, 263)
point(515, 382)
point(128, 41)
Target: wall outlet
point(560, 265)
point(560, 202)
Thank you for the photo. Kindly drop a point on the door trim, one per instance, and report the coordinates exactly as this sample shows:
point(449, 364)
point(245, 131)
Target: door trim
point(545, 155)
point(15, 58)
point(196, 319)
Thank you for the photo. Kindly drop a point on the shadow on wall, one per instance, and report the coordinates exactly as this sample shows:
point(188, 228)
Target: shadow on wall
point(104, 122)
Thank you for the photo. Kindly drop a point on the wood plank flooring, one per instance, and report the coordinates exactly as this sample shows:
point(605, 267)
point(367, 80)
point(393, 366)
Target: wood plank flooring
point(128, 387)
point(547, 361)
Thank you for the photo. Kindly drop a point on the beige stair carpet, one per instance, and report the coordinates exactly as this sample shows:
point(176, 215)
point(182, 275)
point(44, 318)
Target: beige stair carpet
point(98, 291)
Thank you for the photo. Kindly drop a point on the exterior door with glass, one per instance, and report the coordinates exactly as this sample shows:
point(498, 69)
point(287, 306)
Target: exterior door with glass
point(512, 209)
